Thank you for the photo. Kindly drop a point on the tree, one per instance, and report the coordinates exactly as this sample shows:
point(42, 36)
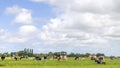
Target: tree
point(100, 54)
point(50, 54)
point(71, 54)
point(6, 54)
point(25, 52)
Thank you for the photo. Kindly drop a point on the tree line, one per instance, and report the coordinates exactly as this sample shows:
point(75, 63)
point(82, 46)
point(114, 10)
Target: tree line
point(30, 53)
point(84, 55)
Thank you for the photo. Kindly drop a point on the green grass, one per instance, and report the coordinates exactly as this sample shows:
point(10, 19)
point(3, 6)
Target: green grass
point(70, 63)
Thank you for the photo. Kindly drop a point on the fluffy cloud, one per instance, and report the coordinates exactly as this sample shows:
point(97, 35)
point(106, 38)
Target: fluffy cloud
point(78, 23)
point(27, 30)
point(96, 6)
point(26, 34)
point(8, 37)
point(83, 22)
point(22, 15)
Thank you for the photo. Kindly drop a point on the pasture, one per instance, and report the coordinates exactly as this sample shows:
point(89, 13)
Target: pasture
point(69, 63)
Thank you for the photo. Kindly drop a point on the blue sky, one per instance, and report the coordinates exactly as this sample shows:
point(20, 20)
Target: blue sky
point(42, 11)
point(79, 26)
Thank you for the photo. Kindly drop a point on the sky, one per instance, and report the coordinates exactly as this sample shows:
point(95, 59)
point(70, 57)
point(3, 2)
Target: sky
point(80, 26)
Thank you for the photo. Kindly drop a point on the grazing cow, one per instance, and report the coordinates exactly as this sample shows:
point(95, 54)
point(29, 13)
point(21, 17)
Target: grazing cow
point(100, 60)
point(45, 57)
point(15, 58)
point(112, 57)
point(3, 57)
point(38, 58)
point(54, 57)
point(77, 57)
point(21, 57)
point(59, 58)
point(60, 55)
point(64, 57)
point(93, 57)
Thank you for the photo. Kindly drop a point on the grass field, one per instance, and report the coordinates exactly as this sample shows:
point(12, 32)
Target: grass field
point(69, 63)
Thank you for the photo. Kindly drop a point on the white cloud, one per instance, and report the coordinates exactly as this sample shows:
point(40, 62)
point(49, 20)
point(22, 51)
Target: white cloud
point(26, 34)
point(82, 22)
point(79, 23)
point(13, 10)
point(96, 6)
point(8, 37)
point(28, 30)
point(22, 15)
point(113, 33)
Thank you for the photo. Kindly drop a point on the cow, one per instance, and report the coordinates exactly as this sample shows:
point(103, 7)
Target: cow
point(100, 60)
point(21, 57)
point(112, 57)
point(15, 57)
point(45, 57)
point(3, 57)
point(77, 57)
point(37, 58)
point(60, 56)
point(93, 57)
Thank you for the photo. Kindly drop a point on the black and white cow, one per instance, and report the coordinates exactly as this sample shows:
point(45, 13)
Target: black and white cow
point(3, 57)
point(100, 60)
point(37, 58)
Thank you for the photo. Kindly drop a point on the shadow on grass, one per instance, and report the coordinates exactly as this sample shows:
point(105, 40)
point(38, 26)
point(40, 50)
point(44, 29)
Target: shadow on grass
point(1, 65)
